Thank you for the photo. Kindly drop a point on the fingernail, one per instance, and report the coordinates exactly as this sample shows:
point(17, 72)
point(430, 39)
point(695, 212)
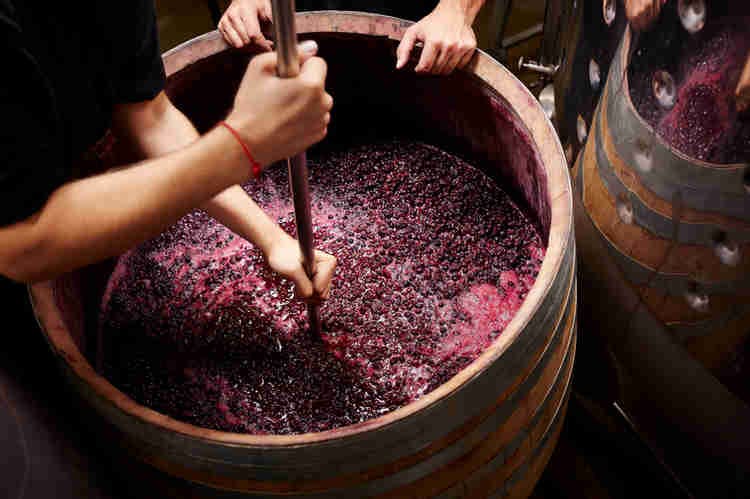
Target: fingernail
point(308, 47)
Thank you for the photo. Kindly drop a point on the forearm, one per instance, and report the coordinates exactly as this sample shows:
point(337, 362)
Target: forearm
point(468, 8)
point(168, 130)
point(92, 219)
point(234, 209)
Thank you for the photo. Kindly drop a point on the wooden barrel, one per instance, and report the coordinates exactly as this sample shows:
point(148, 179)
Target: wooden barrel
point(677, 230)
point(489, 430)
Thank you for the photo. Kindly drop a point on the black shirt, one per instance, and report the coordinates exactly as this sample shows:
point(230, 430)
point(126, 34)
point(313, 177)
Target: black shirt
point(65, 65)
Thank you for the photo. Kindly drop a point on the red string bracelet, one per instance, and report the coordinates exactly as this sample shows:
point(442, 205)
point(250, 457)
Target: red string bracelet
point(254, 165)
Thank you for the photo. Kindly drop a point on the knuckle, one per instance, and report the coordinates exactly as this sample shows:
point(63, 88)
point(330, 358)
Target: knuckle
point(310, 85)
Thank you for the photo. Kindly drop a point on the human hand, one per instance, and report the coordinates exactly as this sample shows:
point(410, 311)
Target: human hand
point(642, 13)
point(284, 257)
point(241, 23)
point(281, 117)
point(742, 92)
point(448, 40)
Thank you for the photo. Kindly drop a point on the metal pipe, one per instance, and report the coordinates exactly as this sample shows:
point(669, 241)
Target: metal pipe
point(522, 36)
point(545, 69)
point(288, 67)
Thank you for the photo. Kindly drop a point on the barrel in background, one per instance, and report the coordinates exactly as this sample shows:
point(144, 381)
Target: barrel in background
point(665, 268)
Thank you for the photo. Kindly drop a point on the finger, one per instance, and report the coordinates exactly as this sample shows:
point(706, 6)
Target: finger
point(453, 59)
point(302, 284)
point(306, 50)
point(319, 135)
point(441, 61)
point(264, 43)
point(251, 20)
point(430, 54)
point(231, 36)
point(314, 71)
point(327, 102)
point(252, 28)
point(326, 267)
point(405, 47)
point(465, 59)
point(265, 11)
point(266, 62)
point(237, 24)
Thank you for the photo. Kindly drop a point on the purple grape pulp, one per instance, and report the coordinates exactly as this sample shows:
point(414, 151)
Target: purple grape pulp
point(703, 123)
point(434, 259)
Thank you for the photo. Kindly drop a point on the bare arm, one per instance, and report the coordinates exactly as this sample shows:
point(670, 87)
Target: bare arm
point(447, 35)
point(157, 127)
point(102, 216)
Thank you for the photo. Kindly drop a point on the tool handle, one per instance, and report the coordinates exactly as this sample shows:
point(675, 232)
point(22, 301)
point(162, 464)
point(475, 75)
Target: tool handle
point(288, 66)
point(301, 196)
point(286, 37)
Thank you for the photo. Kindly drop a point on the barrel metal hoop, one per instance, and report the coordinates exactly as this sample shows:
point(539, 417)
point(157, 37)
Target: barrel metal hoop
point(656, 223)
point(563, 378)
point(541, 454)
point(685, 330)
point(671, 284)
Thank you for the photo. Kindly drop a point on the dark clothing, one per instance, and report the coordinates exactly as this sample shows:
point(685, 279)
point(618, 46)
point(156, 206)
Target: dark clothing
point(66, 64)
point(412, 10)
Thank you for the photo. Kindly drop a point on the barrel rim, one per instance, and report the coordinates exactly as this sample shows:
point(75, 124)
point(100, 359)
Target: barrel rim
point(548, 151)
point(624, 55)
